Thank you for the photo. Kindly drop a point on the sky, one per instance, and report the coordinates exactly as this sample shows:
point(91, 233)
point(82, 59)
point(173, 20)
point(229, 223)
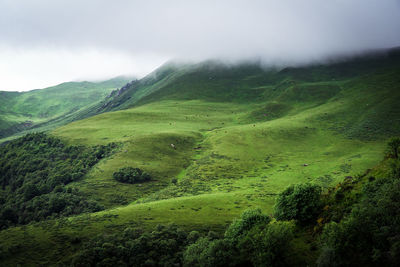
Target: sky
point(46, 42)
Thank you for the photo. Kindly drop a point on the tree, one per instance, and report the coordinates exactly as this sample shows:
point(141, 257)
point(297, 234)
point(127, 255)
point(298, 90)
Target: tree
point(394, 147)
point(206, 252)
point(34, 170)
point(247, 220)
point(299, 202)
point(131, 175)
point(369, 236)
point(268, 245)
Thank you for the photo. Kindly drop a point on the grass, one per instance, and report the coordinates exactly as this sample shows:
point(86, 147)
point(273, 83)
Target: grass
point(21, 111)
point(146, 134)
point(217, 152)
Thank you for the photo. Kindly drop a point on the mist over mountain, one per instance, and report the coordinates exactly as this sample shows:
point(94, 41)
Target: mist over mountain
point(69, 40)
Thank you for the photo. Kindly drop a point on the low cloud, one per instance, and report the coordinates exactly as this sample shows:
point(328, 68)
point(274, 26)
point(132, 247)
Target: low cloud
point(148, 32)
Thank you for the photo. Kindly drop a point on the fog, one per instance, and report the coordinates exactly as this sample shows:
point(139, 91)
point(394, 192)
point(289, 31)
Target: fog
point(43, 42)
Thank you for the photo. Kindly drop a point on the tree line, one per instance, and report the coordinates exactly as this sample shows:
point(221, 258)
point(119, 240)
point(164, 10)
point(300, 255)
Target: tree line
point(35, 171)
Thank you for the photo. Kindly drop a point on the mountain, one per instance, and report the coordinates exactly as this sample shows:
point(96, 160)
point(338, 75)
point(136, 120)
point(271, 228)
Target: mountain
point(278, 91)
point(216, 139)
point(232, 123)
point(21, 111)
point(216, 81)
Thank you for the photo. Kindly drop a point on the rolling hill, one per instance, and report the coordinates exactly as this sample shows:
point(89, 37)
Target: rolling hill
point(21, 111)
point(218, 139)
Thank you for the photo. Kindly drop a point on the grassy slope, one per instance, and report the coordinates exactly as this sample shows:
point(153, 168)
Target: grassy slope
point(21, 111)
point(232, 153)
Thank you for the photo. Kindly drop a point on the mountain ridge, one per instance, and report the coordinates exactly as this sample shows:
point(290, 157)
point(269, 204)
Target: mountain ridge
point(343, 68)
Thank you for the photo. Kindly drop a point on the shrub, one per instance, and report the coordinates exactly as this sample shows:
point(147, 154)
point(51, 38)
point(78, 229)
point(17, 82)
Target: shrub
point(247, 220)
point(131, 175)
point(369, 236)
point(194, 254)
point(394, 147)
point(207, 252)
point(162, 246)
point(193, 236)
point(268, 245)
point(299, 202)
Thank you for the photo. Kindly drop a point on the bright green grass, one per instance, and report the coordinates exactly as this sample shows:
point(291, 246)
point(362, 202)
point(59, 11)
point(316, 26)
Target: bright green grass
point(146, 133)
point(22, 110)
point(216, 151)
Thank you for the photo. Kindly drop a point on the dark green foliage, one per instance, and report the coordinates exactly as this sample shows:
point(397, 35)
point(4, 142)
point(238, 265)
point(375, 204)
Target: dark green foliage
point(395, 166)
point(268, 245)
point(34, 172)
point(208, 252)
point(193, 236)
point(131, 175)
point(339, 200)
point(394, 147)
point(370, 235)
point(248, 219)
point(299, 202)
point(133, 247)
point(251, 240)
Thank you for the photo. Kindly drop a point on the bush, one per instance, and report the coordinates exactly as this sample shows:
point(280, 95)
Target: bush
point(369, 236)
point(162, 246)
point(299, 202)
point(248, 219)
point(131, 175)
point(206, 252)
point(268, 245)
point(251, 240)
point(394, 147)
point(193, 236)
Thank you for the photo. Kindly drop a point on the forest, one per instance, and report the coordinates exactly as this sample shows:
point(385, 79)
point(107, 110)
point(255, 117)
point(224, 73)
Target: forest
point(35, 171)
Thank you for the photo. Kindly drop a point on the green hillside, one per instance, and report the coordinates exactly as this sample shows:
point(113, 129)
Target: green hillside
point(245, 125)
point(21, 111)
point(217, 140)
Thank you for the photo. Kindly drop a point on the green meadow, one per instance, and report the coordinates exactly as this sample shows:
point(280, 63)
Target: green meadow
point(216, 154)
point(50, 107)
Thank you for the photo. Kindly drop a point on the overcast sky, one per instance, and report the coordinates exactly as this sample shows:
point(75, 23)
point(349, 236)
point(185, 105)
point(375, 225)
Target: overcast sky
point(45, 42)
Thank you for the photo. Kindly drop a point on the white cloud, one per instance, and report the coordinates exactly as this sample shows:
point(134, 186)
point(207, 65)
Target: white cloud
point(26, 69)
point(135, 36)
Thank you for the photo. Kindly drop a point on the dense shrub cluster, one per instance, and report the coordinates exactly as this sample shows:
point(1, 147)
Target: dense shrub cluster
point(134, 247)
point(299, 202)
point(393, 149)
point(370, 235)
point(252, 240)
point(131, 175)
point(34, 172)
